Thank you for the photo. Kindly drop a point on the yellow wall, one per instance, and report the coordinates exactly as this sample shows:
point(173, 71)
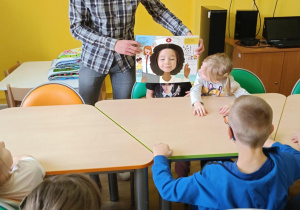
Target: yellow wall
point(37, 30)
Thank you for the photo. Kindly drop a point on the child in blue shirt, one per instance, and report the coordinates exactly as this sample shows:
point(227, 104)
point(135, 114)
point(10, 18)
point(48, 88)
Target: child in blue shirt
point(260, 178)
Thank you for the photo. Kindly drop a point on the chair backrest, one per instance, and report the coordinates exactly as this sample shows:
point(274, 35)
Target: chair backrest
point(52, 94)
point(6, 73)
point(11, 69)
point(139, 90)
point(14, 96)
point(296, 88)
point(248, 80)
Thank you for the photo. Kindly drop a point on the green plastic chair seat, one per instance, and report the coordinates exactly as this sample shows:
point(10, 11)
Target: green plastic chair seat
point(7, 204)
point(139, 90)
point(296, 89)
point(248, 80)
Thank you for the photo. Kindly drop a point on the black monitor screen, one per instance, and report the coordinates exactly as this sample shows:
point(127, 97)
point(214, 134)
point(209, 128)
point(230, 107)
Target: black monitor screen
point(279, 28)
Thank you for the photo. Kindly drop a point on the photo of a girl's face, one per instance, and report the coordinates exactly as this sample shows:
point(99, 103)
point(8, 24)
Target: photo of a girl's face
point(167, 60)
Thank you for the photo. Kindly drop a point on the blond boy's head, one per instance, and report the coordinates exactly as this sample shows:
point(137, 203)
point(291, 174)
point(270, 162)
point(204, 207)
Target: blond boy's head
point(251, 120)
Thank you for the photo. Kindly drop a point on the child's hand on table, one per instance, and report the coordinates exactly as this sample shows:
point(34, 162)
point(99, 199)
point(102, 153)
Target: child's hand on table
point(224, 110)
point(199, 109)
point(187, 93)
point(162, 149)
point(296, 138)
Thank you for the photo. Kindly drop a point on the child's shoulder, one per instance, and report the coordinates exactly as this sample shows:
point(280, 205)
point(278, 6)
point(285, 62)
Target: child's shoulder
point(29, 164)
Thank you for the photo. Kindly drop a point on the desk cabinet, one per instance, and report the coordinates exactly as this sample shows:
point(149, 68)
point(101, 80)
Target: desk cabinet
point(279, 69)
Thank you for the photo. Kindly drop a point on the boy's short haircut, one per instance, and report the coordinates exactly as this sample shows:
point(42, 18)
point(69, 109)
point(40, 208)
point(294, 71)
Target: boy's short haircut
point(69, 191)
point(250, 118)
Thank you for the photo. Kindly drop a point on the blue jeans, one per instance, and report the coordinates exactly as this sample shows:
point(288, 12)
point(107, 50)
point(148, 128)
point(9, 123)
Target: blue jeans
point(90, 83)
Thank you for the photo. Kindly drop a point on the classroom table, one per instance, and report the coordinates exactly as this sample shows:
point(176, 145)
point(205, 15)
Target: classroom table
point(75, 139)
point(170, 121)
point(32, 74)
point(289, 123)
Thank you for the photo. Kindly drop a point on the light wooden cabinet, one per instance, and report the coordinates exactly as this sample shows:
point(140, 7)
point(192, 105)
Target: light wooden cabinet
point(279, 69)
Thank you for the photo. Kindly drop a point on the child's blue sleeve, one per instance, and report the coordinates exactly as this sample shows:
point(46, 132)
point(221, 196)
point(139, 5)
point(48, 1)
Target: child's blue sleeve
point(286, 148)
point(195, 189)
point(292, 159)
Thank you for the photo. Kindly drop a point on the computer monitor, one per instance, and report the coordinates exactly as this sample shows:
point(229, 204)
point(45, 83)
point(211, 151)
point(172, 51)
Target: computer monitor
point(279, 28)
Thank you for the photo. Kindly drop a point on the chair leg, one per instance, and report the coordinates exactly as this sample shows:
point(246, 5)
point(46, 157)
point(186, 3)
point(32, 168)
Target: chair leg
point(96, 178)
point(132, 188)
point(113, 186)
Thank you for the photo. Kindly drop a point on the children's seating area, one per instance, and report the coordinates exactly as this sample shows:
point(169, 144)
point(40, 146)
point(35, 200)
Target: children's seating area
point(139, 108)
point(215, 123)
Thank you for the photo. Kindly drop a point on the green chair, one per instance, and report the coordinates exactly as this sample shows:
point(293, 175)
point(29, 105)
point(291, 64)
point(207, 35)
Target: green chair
point(8, 204)
point(139, 90)
point(296, 88)
point(248, 80)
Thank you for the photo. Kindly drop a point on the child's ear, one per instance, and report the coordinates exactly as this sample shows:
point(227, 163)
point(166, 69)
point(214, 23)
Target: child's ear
point(272, 129)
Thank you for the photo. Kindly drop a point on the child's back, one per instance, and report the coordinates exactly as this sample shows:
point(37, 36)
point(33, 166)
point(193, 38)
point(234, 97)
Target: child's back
point(19, 175)
point(260, 178)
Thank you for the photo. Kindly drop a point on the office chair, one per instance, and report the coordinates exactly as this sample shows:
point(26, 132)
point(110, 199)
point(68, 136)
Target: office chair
point(296, 88)
point(248, 80)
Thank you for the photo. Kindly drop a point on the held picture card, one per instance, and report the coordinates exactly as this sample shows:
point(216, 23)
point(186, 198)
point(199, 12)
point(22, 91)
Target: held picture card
point(166, 59)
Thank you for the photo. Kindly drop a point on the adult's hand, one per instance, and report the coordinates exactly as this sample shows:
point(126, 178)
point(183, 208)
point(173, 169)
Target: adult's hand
point(128, 47)
point(200, 48)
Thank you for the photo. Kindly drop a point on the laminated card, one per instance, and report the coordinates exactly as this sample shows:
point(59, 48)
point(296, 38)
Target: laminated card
point(166, 59)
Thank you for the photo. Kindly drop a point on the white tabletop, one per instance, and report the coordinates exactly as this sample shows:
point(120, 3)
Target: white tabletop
point(170, 120)
point(71, 139)
point(289, 123)
point(32, 74)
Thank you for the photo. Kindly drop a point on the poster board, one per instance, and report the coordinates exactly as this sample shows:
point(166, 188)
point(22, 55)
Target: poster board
point(166, 59)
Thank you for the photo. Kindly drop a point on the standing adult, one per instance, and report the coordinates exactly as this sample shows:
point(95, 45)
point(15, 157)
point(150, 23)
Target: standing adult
point(105, 28)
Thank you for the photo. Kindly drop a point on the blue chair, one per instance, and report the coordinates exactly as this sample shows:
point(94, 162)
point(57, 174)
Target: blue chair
point(139, 90)
point(296, 88)
point(248, 80)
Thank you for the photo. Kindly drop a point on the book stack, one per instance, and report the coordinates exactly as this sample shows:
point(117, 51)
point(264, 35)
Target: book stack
point(66, 66)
